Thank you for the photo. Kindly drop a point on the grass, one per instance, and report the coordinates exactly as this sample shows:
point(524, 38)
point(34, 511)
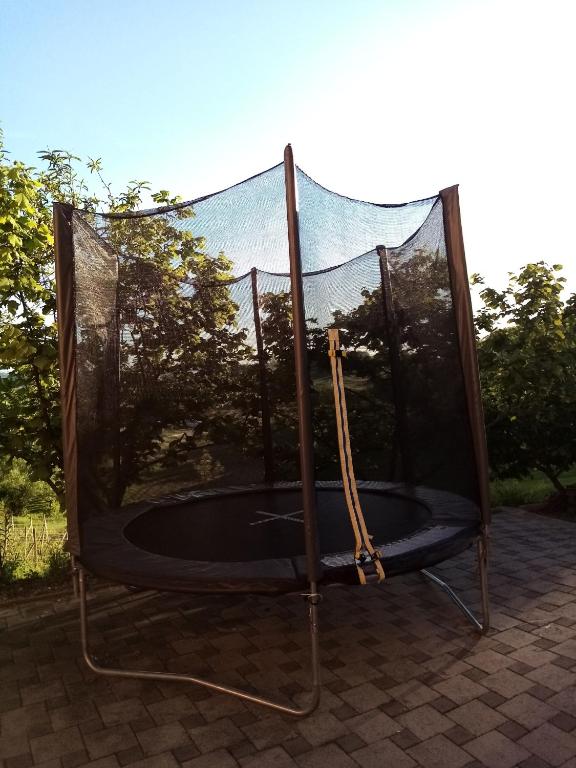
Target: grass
point(56, 524)
point(530, 490)
point(30, 557)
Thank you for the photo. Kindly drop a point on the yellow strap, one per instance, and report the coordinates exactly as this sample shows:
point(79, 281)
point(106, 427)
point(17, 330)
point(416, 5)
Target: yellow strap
point(361, 536)
point(333, 339)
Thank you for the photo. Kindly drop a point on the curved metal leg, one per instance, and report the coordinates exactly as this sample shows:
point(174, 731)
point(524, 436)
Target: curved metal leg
point(482, 554)
point(313, 599)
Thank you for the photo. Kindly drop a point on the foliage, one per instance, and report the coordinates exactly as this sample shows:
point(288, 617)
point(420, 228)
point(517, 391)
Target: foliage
point(29, 394)
point(31, 547)
point(527, 358)
point(534, 489)
point(174, 321)
point(15, 486)
point(403, 376)
point(29, 418)
point(20, 494)
point(57, 563)
point(158, 354)
point(427, 385)
point(41, 500)
point(170, 323)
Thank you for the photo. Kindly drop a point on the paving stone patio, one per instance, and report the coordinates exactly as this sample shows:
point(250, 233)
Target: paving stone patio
point(407, 682)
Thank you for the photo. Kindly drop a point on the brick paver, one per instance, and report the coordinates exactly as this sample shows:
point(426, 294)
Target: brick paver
point(383, 753)
point(551, 744)
point(495, 750)
point(476, 717)
point(439, 752)
point(407, 682)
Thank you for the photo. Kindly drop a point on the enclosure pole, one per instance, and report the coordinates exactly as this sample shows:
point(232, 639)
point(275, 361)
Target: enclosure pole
point(115, 426)
point(466, 341)
point(469, 362)
point(264, 398)
point(482, 548)
point(301, 372)
point(395, 366)
point(65, 314)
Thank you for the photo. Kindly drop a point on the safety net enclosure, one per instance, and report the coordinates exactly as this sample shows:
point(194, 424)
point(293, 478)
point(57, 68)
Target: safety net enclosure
point(201, 446)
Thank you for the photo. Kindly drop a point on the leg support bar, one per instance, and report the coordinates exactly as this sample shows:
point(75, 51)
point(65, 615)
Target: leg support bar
point(482, 553)
point(167, 676)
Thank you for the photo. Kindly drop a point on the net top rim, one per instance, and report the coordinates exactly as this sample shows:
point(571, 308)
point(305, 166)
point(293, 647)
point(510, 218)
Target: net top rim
point(308, 273)
point(164, 209)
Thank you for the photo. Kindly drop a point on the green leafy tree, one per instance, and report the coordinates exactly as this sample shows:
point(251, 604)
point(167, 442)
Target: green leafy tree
point(29, 414)
point(29, 390)
point(174, 325)
point(15, 486)
point(427, 403)
point(277, 336)
point(173, 342)
point(20, 494)
point(527, 357)
point(404, 384)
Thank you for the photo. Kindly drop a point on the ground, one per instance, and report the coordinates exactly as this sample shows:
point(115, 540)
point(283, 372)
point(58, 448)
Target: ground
point(407, 682)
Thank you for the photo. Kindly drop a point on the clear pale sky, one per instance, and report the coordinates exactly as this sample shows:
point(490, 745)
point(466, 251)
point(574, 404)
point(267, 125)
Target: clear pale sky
point(383, 100)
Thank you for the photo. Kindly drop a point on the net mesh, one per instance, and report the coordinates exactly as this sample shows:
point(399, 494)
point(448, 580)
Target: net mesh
point(185, 354)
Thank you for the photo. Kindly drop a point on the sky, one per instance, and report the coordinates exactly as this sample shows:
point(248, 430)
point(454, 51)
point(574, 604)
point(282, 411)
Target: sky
point(382, 100)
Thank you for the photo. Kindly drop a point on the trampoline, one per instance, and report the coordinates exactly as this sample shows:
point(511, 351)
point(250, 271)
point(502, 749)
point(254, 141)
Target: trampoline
point(264, 550)
point(269, 389)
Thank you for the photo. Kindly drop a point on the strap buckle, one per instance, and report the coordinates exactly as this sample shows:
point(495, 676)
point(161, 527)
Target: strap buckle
point(369, 567)
point(368, 557)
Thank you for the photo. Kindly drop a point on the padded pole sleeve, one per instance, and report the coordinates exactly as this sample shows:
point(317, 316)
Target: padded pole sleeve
point(466, 339)
point(302, 374)
point(66, 310)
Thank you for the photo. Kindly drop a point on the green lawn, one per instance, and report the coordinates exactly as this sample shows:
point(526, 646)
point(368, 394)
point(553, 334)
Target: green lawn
point(530, 490)
point(55, 524)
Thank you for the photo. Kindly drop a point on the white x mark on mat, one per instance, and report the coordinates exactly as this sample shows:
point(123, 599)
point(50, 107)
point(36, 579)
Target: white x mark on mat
point(274, 516)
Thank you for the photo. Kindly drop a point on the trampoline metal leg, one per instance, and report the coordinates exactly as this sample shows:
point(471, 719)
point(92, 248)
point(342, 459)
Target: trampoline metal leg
point(74, 570)
point(482, 553)
point(482, 545)
point(313, 599)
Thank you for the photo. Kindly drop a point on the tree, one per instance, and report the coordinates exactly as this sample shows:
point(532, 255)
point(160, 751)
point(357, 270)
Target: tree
point(29, 414)
point(527, 358)
point(20, 494)
point(153, 331)
point(29, 390)
point(412, 427)
point(160, 361)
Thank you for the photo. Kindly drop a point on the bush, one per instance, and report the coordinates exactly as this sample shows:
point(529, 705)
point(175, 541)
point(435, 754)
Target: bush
point(41, 500)
point(20, 494)
point(508, 493)
point(14, 486)
point(8, 570)
point(10, 560)
point(58, 563)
